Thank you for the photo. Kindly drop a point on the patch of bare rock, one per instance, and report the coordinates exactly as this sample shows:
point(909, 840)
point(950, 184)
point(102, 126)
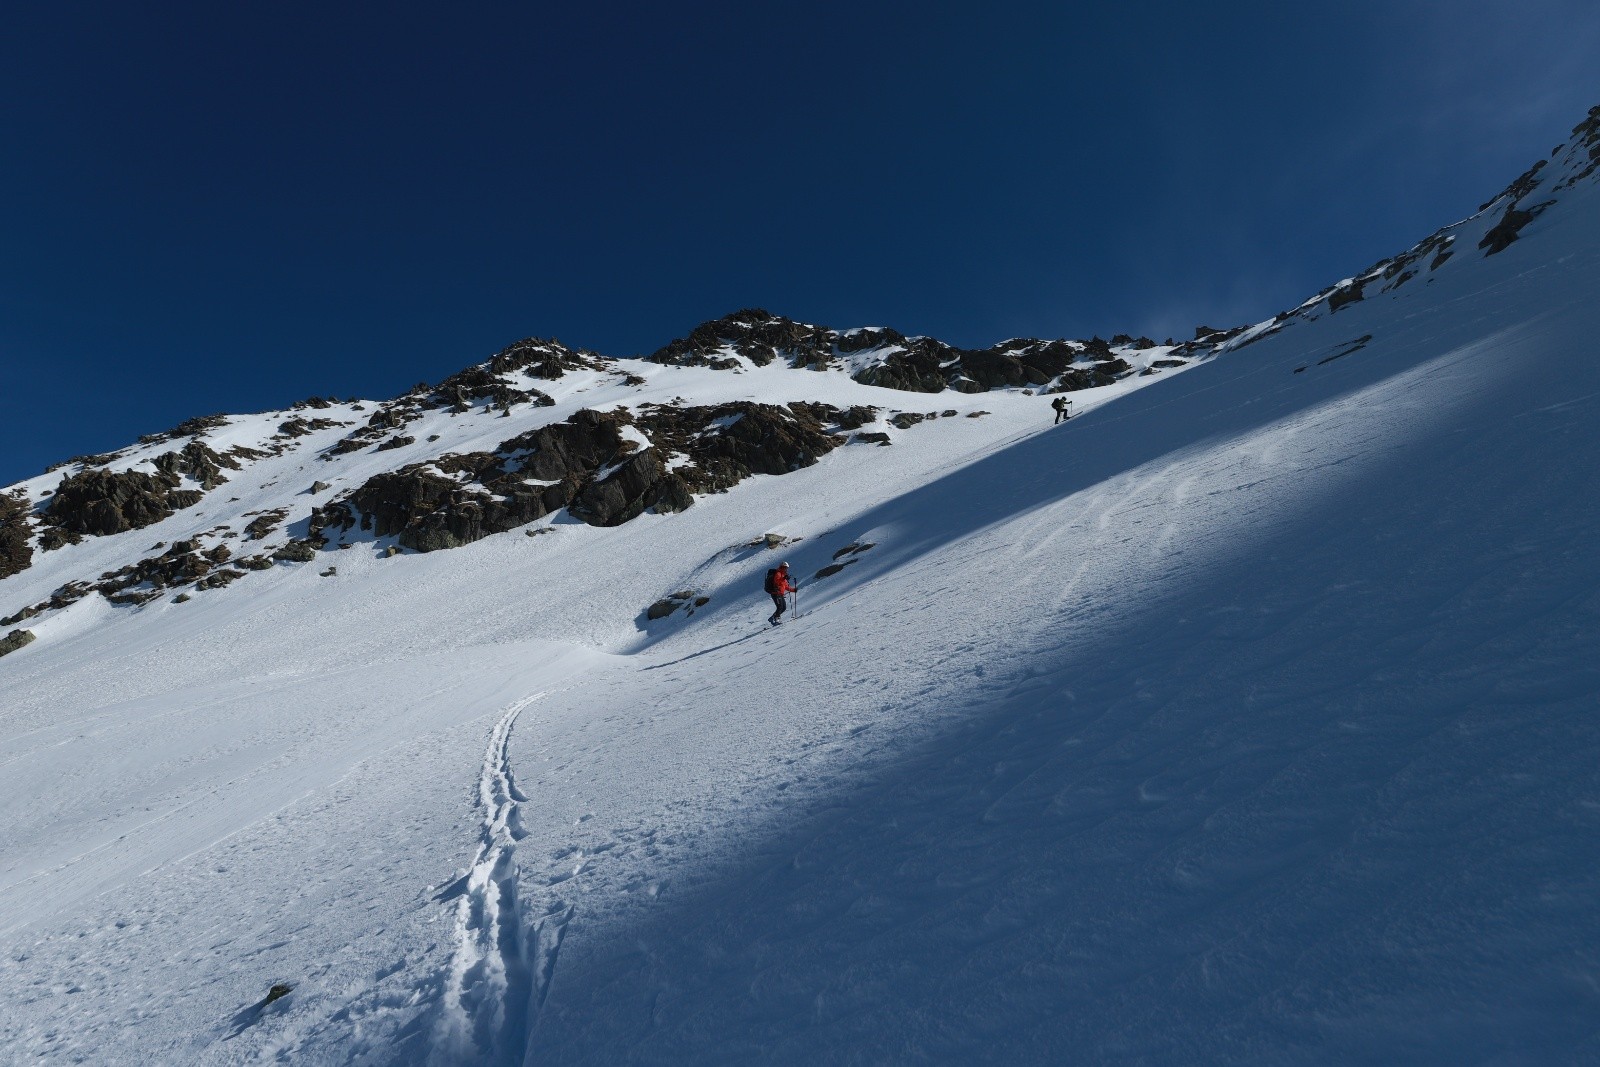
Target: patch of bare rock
point(16, 548)
point(99, 503)
point(593, 464)
point(495, 386)
point(912, 364)
point(690, 600)
point(14, 640)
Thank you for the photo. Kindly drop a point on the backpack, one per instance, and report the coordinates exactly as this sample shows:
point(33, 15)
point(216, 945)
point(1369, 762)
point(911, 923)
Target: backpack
point(772, 581)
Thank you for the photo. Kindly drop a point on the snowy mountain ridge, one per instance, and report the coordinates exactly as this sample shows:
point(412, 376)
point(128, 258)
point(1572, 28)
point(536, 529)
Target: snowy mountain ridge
point(537, 429)
point(436, 497)
point(1246, 718)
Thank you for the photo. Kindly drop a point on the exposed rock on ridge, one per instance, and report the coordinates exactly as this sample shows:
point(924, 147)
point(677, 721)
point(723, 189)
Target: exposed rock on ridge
point(490, 385)
point(895, 361)
point(99, 502)
point(593, 464)
point(16, 553)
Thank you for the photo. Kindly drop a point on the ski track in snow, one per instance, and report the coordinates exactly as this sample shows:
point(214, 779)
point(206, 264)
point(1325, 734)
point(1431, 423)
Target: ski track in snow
point(500, 970)
point(489, 971)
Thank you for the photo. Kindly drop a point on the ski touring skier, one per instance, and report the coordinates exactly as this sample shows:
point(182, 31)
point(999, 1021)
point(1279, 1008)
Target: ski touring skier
point(779, 586)
point(1063, 408)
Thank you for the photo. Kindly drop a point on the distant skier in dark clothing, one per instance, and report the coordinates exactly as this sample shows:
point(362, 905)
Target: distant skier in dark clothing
point(1063, 408)
point(779, 587)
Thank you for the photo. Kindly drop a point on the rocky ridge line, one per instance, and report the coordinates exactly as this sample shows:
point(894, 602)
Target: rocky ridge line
point(889, 359)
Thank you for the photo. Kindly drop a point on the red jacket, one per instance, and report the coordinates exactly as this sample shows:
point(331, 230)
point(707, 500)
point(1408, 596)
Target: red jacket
point(782, 584)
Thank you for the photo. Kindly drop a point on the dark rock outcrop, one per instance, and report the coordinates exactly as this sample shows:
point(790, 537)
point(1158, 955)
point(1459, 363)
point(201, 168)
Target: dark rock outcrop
point(98, 459)
point(1585, 140)
point(264, 523)
point(199, 463)
point(217, 579)
point(592, 464)
point(908, 364)
point(1348, 294)
point(853, 418)
point(480, 385)
point(913, 365)
point(457, 499)
point(540, 358)
point(298, 427)
point(188, 428)
point(1524, 184)
point(14, 640)
point(483, 384)
point(183, 563)
point(638, 482)
point(931, 366)
point(727, 443)
point(689, 599)
point(1504, 232)
point(753, 333)
point(298, 551)
point(67, 594)
point(99, 503)
point(16, 551)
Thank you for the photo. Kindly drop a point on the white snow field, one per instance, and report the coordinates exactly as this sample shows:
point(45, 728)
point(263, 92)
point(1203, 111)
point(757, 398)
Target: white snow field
point(1249, 717)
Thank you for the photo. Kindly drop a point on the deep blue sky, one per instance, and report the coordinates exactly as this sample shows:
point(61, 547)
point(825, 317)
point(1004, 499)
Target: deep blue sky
point(227, 207)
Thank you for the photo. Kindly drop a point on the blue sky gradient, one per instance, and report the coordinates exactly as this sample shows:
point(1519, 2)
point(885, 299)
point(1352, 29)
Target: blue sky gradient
point(213, 207)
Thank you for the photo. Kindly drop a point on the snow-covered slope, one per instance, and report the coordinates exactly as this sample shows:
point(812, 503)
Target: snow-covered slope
point(1248, 718)
point(539, 432)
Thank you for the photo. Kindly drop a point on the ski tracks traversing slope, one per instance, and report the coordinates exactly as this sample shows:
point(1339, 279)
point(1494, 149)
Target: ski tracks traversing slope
point(499, 970)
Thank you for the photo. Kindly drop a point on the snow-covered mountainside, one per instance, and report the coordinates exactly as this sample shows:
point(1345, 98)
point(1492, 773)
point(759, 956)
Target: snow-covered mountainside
point(539, 430)
point(1248, 716)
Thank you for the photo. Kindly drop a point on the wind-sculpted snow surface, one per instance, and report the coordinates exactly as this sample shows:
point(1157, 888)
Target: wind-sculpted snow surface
point(1247, 719)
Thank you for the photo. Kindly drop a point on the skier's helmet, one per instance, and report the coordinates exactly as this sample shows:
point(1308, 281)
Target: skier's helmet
point(784, 565)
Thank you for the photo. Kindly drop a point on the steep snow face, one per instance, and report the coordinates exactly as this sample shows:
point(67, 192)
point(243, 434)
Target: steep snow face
point(1247, 718)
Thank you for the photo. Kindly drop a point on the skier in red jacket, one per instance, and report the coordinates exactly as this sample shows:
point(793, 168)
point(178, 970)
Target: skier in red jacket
point(779, 586)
